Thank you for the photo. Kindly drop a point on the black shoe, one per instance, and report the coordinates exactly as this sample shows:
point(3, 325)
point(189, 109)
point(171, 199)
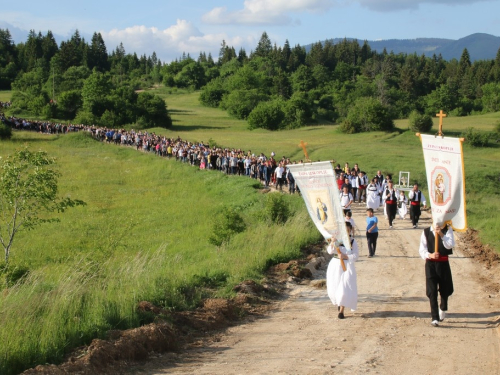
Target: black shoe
point(341, 315)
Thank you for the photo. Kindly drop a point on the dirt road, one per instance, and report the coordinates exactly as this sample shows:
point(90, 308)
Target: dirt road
point(390, 333)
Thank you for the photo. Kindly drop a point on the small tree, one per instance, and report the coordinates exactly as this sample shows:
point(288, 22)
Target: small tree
point(420, 122)
point(5, 131)
point(28, 192)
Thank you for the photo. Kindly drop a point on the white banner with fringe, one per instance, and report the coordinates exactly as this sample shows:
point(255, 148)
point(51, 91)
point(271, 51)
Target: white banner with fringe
point(444, 166)
point(320, 192)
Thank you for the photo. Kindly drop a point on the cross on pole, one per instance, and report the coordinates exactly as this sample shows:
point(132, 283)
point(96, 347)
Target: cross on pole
point(441, 115)
point(303, 145)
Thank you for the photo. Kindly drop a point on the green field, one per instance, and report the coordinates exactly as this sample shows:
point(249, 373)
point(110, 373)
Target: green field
point(143, 233)
point(5, 95)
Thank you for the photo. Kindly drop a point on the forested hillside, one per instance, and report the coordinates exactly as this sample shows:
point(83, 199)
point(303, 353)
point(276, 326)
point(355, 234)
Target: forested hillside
point(271, 87)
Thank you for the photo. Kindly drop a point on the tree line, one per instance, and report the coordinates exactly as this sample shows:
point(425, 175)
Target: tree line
point(271, 87)
point(80, 81)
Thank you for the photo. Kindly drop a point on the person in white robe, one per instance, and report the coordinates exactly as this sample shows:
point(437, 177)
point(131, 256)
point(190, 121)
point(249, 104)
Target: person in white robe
point(342, 285)
point(372, 195)
point(402, 209)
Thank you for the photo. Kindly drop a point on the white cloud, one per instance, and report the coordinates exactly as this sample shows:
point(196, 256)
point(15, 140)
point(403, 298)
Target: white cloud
point(396, 5)
point(265, 12)
point(170, 43)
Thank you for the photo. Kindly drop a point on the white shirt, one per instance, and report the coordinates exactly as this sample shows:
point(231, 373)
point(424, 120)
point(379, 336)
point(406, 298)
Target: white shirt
point(448, 242)
point(411, 194)
point(345, 199)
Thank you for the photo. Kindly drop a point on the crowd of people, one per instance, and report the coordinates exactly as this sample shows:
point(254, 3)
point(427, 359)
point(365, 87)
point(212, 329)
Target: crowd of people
point(5, 104)
point(353, 184)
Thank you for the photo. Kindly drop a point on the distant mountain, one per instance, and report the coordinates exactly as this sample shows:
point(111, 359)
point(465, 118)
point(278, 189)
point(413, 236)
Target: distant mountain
point(480, 46)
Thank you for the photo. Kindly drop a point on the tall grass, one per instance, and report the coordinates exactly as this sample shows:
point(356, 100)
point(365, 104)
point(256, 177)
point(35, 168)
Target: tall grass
point(142, 236)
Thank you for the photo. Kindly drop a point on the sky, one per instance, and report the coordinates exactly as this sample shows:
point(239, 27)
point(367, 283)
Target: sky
point(192, 26)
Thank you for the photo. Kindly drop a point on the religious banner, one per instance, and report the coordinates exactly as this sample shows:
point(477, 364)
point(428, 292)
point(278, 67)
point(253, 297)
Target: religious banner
point(444, 167)
point(320, 191)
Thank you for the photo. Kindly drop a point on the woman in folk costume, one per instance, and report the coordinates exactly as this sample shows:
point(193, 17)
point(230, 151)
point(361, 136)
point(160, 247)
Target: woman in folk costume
point(402, 209)
point(342, 285)
point(372, 195)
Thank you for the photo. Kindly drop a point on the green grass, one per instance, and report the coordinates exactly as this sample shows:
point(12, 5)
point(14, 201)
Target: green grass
point(5, 95)
point(143, 234)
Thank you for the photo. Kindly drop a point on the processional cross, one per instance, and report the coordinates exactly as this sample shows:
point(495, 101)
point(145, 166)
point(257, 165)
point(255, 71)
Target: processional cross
point(441, 115)
point(303, 145)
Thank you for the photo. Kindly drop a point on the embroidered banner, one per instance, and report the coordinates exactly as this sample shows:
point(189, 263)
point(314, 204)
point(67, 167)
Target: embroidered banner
point(444, 167)
point(319, 189)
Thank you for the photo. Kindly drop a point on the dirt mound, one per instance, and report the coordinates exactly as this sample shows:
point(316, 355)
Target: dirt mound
point(174, 330)
point(473, 247)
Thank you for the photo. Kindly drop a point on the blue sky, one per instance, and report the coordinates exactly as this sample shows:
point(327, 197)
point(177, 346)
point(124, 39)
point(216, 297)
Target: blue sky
point(173, 27)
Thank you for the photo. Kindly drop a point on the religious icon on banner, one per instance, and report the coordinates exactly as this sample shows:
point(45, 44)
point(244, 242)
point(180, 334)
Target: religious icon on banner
point(441, 178)
point(321, 210)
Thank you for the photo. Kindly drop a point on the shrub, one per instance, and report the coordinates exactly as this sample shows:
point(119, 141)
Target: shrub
point(226, 224)
point(239, 103)
point(347, 127)
point(368, 114)
point(497, 129)
point(420, 123)
point(211, 95)
point(276, 208)
point(267, 115)
point(475, 138)
point(12, 275)
point(84, 117)
point(5, 131)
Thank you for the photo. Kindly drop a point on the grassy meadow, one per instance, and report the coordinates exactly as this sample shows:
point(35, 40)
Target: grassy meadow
point(5, 95)
point(143, 234)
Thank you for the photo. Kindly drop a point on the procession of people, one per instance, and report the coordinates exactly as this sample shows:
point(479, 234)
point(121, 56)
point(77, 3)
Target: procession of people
point(354, 186)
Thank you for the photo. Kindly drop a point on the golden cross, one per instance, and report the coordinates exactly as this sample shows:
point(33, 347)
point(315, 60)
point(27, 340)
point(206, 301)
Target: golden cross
point(303, 145)
point(441, 115)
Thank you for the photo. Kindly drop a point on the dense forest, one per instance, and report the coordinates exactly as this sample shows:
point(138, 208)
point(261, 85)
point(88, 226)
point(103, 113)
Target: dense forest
point(271, 87)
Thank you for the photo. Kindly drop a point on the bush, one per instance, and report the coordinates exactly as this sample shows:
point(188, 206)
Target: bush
point(475, 138)
point(367, 114)
point(497, 129)
point(239, 103)
point(267, 115)
point(5, 131)
point(276, 208)
point(226, 224)
point(12, 275)
point(211, 95)
point(86, 118)
point(420, 123)
point(347, 127)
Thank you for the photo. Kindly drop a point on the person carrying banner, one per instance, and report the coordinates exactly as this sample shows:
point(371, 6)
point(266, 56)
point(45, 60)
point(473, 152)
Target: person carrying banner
point(342, 285)
point(437, 268)
point(416, 198)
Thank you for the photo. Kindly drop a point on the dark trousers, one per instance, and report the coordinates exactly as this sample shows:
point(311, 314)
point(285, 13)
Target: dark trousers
point(362, 194)
point(354, 193)
point(371, 239)
point(391, 211)
point(438, 279)
point(415, 213)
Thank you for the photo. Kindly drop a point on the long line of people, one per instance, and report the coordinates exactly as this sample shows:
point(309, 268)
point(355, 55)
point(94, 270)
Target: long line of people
point(353, 183)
